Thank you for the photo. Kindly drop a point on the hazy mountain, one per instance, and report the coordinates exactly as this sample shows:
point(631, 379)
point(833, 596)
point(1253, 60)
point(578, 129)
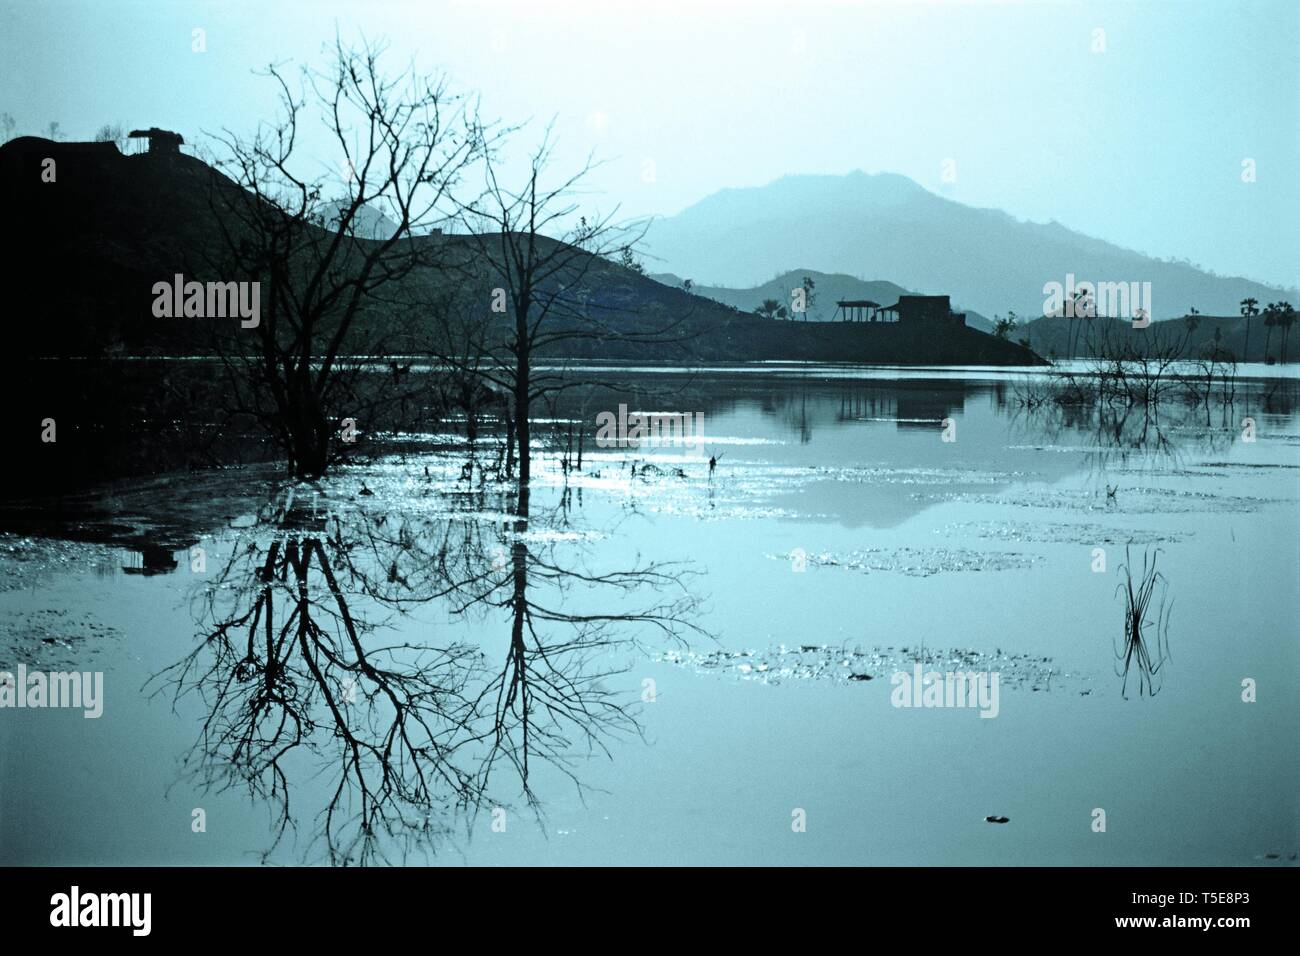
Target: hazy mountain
point(887, 225)
point(828, 289)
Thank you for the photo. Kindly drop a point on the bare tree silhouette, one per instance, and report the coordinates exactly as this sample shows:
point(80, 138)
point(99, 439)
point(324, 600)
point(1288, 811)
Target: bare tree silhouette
point(536, 260)
point(329, 244)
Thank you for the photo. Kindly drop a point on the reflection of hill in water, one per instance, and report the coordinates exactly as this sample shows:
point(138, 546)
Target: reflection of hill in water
point(859, 451)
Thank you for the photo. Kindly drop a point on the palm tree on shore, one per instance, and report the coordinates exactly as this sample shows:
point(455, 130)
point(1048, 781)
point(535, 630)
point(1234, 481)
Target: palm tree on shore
point(1286, 316)
point(1249, 308)
point(1081, 306)
point(1270, 323)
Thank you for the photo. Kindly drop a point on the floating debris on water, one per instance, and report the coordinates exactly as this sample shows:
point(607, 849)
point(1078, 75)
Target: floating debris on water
point(28, 561)
point(50, 639)
point(918, 562)
point(1271, 857)
point(1243, 464)
point(845, 664)
point(1152, 500)
point(923, 476)
point(1059, 533)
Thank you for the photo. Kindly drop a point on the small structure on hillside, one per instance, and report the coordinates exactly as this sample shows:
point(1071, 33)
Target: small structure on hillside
point(921, 309)
point(857, 310)
point(160, 140)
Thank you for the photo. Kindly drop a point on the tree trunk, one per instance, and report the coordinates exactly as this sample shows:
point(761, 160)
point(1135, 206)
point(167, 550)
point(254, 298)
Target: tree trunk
point(310, 454)
point(523, 431)
point(308, 434)
point(510, 438)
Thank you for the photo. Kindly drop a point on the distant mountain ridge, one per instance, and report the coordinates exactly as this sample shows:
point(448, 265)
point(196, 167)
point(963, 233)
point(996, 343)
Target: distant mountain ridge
point(887, 225)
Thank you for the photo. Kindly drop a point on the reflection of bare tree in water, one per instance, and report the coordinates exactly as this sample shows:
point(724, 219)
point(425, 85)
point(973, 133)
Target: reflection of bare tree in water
point(1126, 437)
point(1146, 628)
point(550, 698)
point(296, 680)
point(288, 667)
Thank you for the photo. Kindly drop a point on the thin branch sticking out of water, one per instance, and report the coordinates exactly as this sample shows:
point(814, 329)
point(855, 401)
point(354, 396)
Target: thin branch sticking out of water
point(1149, 654)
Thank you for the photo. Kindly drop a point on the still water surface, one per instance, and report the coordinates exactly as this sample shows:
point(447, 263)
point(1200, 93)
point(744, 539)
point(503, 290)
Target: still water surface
point(703, 656)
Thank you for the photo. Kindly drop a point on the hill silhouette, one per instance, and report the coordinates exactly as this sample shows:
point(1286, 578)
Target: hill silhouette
point(887, 225)
point(97, 239)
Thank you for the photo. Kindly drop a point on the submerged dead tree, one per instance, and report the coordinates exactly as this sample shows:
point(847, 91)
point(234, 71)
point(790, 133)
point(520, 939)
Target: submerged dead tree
point(333, 247)
point(539, 267)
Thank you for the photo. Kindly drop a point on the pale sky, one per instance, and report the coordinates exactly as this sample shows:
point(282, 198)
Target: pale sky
point(1136, 134)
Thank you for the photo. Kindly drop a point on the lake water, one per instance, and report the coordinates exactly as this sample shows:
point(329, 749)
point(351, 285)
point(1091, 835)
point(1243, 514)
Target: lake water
point(684, 665)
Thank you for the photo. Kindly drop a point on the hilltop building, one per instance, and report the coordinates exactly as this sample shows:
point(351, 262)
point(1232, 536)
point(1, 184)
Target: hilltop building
point(160, 140)
point(908, 310)
point(859, 310)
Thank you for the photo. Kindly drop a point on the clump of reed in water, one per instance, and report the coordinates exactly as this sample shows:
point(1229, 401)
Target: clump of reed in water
point(1146, 638)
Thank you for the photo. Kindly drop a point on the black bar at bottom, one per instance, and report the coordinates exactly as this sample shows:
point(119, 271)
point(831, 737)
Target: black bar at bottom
point(339, 906)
